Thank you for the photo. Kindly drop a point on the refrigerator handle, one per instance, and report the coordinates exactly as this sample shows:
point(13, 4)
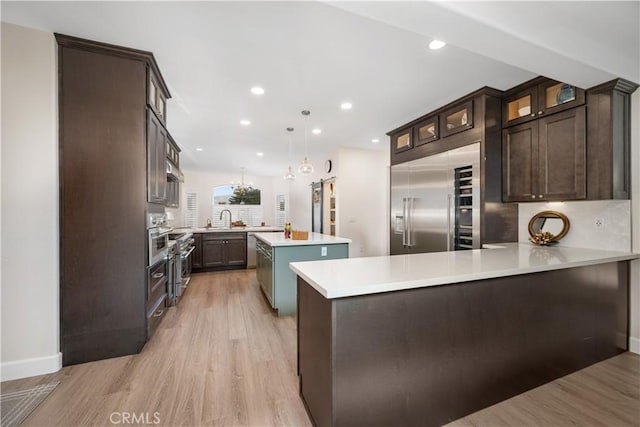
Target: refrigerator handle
point(404, 221)
point(449, 197)
point(410, 221)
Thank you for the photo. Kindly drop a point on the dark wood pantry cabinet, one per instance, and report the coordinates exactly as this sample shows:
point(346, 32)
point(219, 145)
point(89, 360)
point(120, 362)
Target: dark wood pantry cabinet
point(105, 125)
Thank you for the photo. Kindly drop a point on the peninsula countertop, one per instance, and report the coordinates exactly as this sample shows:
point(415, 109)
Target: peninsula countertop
point(277, 239)
point(370, 275)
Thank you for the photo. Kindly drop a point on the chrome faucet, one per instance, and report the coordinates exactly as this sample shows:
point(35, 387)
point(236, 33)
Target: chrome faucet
point(230, 220)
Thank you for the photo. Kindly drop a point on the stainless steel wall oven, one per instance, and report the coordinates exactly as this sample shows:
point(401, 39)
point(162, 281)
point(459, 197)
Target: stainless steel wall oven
point(158, 234)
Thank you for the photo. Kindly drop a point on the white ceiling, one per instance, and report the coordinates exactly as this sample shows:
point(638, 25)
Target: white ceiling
point(310, 55)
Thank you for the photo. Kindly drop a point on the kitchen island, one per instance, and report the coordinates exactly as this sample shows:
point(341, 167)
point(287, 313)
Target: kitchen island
point(425, 339)
point(274, 253)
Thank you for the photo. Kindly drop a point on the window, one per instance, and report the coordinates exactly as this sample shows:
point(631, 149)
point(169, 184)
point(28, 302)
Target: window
point(191, 209)
point(235, 195)
point(281, 210)
point(243, 203)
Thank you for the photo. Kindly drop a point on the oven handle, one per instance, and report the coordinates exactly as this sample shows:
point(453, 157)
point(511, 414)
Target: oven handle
point(159, 232)
point(184, 256)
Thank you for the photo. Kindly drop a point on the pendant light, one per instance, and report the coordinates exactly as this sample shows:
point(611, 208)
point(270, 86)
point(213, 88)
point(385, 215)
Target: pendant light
point(305, 167)
point(289, 176)
point(241, 189)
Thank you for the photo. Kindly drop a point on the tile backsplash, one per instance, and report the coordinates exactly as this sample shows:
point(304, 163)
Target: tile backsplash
point(614, 215)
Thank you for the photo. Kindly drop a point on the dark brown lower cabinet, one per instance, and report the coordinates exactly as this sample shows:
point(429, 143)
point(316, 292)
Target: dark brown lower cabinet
point(212, 252)
point(545, 159)
point(428, 356)
point(221, 250)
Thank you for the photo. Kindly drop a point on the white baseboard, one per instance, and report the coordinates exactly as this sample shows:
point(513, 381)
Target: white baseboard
point(634, 345)
point(31, 367)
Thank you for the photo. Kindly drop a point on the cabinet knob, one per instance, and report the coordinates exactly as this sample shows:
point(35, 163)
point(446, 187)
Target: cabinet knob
point(540, 112)
point(533, 196)
point(540, 196)
point(533, 114)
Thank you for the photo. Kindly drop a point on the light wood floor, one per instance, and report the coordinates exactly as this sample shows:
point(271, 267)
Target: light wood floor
point(223, 358)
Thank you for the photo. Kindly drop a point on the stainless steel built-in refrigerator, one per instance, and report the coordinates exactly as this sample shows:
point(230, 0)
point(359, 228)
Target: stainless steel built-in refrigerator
point(435, 202)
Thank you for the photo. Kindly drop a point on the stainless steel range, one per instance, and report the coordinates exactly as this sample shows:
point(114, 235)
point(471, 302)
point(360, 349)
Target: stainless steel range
point(182, 273)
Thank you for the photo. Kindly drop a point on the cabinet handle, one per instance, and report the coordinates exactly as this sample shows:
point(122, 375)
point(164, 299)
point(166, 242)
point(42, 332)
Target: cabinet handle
point(158, 275)
point(533, 196)
point(158, 313)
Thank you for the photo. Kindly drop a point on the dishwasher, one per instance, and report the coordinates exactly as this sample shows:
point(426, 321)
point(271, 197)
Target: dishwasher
point(251, 250)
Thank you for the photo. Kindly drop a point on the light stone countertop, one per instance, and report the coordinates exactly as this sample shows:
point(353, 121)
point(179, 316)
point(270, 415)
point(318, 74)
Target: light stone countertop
point(232, 230)
point(277, 239)
point(370, 275)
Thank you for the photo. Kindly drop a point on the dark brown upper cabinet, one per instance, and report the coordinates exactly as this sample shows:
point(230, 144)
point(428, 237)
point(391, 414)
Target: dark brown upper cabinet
point(537, 98)
point(402, 140)
point(157, 139)
point(426, 131)
point(545, 159)
point(173, 152)
point(609, 139)
point(457, 119)
point(157, 95)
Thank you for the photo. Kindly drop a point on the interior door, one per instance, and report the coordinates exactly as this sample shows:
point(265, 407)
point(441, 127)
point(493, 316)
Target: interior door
point(429, 187)
point(316, 207)
point(399, 195)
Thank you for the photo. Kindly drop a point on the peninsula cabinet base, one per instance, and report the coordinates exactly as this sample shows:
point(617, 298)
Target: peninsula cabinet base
point(428, 356)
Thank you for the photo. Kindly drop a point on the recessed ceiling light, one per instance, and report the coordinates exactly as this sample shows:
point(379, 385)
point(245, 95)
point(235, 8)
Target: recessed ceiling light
point(316, 131)
point(375, 140)
point(259, 154)
point(245, 122)
point(257, 90)
point(199, 149)
point(346, 106)
point(436, 44)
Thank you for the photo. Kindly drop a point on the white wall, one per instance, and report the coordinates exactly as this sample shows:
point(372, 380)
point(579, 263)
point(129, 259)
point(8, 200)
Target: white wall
point(614, 234)
point(300, 194)
point(362, 200)
point(30, 286)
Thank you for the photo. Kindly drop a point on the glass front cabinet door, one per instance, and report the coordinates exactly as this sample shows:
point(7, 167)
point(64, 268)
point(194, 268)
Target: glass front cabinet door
point(457, 119)
point(426, 131)
point(554, 96)
point(520, 107)
point(539, 98)
point(402, 141)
